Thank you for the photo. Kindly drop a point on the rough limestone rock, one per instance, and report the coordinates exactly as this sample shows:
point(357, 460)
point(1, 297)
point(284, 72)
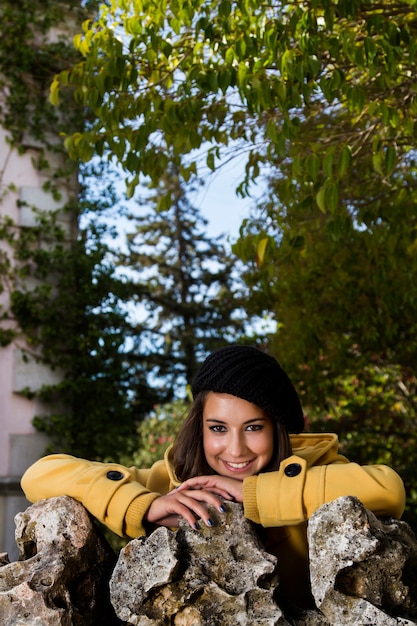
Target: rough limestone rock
point(196, 578)
point(363, 570)
point(61, 577)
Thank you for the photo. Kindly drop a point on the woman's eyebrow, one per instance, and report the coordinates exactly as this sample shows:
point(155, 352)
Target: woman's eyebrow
point(256, 419)
point(253, 419)
point(214, 419)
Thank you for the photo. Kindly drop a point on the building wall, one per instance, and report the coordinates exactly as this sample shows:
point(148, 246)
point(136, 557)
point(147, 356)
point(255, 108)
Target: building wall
point(21, 188)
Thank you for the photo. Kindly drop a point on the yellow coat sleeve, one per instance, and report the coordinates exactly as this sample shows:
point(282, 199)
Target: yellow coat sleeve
point(288, 497)
point(116, 495)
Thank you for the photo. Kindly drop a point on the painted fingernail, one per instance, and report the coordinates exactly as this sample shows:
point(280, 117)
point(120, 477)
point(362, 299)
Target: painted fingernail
point(196, 526)
point(210, 522)
point(222, 509)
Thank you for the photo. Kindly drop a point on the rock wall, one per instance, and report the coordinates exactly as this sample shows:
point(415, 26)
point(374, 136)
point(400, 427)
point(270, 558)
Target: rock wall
point(61, 577)
point(363, 571)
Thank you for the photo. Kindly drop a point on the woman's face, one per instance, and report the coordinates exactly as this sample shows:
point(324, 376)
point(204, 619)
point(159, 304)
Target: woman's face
point(238, 436)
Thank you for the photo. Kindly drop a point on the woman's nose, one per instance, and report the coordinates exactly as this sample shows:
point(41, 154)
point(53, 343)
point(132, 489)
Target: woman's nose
point(237, 445)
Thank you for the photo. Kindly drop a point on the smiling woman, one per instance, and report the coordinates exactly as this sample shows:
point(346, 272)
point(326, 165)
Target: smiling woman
point(235, 444)
point(248, 374)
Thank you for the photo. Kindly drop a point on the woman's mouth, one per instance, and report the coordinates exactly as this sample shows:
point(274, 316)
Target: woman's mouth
point(237, 467)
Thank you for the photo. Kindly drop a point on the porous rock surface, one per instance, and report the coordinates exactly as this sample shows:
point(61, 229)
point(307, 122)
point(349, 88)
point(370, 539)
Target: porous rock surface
point(363, 572)
point(214, 576)
point(61, 576)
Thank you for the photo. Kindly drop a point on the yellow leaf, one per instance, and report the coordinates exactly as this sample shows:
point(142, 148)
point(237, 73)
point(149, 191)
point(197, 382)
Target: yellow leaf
point(321, 199)
point(54, 93)
point(260, 251)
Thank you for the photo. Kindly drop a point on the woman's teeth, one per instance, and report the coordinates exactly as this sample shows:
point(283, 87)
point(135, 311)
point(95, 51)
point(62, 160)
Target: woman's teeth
point(238, 465)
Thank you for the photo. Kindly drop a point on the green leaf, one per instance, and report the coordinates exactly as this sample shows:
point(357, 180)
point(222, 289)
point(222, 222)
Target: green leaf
point(328, 163)
point(281, 90)
point(312, 165)
point(377, 160)
point(210, 161)
point(390, 159)
point(287, 61)
point(229, 56)
point(225, 8)
point(242, 74)
point(271, 130)
point(345, 161)
point(332, 196)
point(224, 79)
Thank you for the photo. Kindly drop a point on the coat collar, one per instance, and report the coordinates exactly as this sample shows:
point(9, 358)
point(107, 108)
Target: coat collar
point(317, 448)
point(171, 473)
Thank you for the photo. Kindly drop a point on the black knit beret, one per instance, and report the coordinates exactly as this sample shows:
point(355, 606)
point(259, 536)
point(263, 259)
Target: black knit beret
point(254, 376)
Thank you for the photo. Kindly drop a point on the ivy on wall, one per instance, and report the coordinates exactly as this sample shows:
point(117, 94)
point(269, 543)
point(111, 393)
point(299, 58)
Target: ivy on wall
point(62, 299)
point(31, 51)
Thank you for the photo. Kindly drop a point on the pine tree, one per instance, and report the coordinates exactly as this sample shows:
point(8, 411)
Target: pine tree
point(186, 287)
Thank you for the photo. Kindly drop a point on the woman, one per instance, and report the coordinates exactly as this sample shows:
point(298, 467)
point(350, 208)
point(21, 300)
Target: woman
point(234, 445)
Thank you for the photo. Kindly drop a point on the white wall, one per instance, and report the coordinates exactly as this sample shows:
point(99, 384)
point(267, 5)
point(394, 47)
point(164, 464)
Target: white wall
point(20, 443)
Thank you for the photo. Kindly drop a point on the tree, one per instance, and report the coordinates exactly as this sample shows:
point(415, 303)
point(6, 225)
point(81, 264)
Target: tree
point(342, 287)
point(199, 75)
point(185, 282)
point(82, 330)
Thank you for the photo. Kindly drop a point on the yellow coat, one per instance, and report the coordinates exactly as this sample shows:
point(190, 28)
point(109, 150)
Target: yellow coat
point(281, 501)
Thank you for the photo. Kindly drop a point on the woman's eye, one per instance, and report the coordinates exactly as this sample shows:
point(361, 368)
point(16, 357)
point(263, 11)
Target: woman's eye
point(254, 427)
point(218, 429)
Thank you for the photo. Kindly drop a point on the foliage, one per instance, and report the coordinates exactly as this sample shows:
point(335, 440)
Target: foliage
point(82, 331)
point(157, 432)
point(343, 292)
point(343, 288)
point(375, 414)
point(29, 58)
point(204, 74)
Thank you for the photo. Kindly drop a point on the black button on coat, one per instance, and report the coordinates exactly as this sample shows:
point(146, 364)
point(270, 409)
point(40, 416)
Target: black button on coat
point(293, 469)
point(114, 475)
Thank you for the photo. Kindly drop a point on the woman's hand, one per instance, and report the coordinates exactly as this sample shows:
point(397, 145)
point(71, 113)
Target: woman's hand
point(225, 487)
point(191, 504)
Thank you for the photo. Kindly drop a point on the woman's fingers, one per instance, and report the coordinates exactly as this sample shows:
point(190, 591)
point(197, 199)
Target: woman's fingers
point(227, 488)
point(191, 505)
point(197, 502)
point(215, 490)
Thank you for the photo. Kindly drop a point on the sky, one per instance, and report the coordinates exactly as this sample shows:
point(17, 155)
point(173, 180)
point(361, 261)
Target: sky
point(220, 205)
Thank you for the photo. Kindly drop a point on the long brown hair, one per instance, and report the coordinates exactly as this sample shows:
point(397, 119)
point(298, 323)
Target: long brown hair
point(188, 456)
